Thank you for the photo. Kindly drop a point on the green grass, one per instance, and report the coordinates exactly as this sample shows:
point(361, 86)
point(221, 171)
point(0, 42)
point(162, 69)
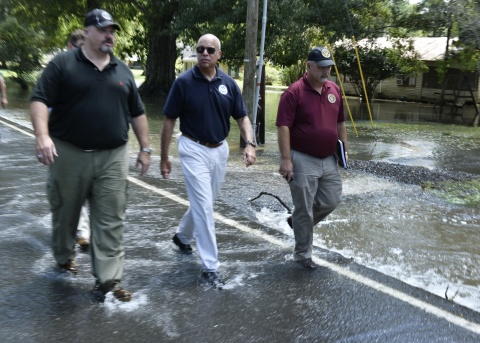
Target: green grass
point(456, 192)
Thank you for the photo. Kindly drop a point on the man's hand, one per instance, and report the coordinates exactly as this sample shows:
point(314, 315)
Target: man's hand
point(45, 150)
point(165, 168)
point(286, 170)
point(143, 159)
point(249, 156)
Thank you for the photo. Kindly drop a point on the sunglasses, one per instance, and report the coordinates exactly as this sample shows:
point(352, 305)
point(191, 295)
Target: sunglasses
point(201, 49)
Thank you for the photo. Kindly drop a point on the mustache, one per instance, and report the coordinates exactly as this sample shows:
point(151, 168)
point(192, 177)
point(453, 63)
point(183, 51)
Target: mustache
point(108, 41)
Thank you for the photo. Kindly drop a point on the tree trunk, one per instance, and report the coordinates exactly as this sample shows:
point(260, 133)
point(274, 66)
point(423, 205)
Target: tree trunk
point(162, 53)
point(160, 66)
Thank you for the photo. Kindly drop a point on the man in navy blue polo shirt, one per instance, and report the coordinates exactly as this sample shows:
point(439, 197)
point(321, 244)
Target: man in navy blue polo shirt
point(204, 98)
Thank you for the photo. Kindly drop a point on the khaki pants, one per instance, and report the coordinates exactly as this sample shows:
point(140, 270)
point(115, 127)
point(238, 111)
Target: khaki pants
point(316, 191)
point(101, 178)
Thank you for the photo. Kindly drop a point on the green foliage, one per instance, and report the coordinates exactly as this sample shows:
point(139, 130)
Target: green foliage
point(151, 29)
point(376, 63)
point(19, 47)
point(291, 74)
point(272, 75)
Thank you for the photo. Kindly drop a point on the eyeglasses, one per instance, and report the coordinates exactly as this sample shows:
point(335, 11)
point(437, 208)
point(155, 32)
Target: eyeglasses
point(201, 49)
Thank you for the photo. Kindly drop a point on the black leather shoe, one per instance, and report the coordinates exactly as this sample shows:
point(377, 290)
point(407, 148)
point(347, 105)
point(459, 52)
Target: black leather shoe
point(307, 263)
point(184, 248)
point(289, 221)
point(70, 267)
point(213, 279)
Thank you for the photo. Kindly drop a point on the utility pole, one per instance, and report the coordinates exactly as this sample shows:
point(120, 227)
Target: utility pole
point(249, 69)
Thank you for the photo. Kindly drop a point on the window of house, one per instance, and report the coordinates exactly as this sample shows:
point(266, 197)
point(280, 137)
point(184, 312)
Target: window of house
point(406, 81)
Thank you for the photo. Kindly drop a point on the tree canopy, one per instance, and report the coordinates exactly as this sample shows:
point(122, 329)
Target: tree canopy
point(152, 29)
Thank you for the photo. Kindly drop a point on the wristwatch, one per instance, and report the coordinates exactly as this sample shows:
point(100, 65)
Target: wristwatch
point(250, 143)
point(148, 150)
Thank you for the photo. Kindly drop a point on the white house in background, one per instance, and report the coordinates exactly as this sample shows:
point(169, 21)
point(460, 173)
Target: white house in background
point(189, 58)
point(426, 86)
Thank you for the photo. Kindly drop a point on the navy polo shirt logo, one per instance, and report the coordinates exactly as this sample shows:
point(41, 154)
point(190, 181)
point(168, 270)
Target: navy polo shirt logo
point(222, 89)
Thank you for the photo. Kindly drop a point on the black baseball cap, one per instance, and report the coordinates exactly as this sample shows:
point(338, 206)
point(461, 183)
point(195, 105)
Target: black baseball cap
point(99, 18)
point(322, 56)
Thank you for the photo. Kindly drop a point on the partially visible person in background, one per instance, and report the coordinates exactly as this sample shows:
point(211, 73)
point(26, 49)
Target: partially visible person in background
point(75, 39)
point(83, 229)
point(3, 89)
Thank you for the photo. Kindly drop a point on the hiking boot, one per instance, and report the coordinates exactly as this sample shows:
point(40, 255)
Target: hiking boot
point(307, 263)
point(184, 248)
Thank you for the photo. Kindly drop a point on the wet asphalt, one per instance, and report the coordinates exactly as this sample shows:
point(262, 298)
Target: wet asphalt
point(267, 297)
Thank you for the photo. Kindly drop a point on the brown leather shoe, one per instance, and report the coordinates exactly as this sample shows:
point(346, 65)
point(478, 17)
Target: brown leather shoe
point(70, 266)
point(118, 292)
point(122, 294)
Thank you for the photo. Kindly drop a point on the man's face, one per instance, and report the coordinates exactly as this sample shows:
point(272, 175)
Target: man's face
point(320, 74)
point(101, 38)
point(210, 55)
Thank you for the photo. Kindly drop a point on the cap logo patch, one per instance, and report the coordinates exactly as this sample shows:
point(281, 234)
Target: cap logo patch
point(106, 16)
point(326, 53)
point(332, 98)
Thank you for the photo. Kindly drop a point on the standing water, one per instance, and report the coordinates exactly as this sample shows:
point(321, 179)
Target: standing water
point(399, 229)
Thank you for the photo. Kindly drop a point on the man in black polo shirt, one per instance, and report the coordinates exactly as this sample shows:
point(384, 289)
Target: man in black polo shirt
point(84, 142)
point(204, 98)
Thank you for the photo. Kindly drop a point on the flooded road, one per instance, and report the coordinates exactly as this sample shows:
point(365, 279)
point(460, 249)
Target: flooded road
point(397, 229)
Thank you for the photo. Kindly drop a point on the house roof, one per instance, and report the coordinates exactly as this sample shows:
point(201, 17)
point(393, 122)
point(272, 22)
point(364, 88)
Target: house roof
point(429, 48)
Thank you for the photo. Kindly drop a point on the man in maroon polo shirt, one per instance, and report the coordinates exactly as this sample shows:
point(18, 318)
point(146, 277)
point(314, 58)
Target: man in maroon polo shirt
point(310, 121)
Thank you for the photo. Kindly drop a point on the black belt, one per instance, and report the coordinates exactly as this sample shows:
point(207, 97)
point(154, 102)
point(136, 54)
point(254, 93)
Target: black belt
point(208, 145)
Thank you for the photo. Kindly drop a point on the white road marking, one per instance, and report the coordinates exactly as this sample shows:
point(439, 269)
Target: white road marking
point(17, 128)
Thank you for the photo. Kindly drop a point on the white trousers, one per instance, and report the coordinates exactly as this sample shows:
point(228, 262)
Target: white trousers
point(83, 228)
point(204, 170)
